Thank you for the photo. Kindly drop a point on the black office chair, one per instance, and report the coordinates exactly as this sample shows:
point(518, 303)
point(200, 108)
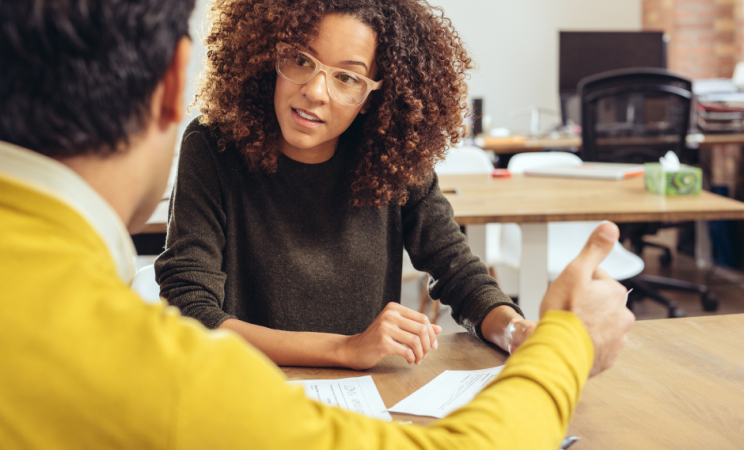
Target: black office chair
point(635, 116)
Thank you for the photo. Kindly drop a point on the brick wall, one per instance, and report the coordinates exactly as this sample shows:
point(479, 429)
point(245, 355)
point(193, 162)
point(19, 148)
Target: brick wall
point(739, 15)
point(706, 36)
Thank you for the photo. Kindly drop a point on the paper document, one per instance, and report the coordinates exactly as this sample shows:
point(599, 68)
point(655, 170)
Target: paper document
point(447, 392)
point(359, 395)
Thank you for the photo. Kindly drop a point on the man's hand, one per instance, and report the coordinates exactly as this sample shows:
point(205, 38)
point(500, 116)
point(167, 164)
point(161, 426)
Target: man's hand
point(396, 331)
point(596, 299)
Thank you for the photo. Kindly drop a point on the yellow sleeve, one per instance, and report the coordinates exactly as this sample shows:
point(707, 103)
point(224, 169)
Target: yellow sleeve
point(232, 397)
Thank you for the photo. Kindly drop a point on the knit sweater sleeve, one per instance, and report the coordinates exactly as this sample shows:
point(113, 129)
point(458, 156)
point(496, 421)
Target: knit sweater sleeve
point(436, 246)
point(190, 271)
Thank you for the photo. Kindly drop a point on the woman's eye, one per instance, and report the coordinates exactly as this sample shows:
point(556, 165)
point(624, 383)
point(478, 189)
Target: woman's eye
point(346, 78)
point(301, 61)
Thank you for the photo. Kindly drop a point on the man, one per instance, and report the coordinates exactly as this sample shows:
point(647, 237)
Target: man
point(91, 94)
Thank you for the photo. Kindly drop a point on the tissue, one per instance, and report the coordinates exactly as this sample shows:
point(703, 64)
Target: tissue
point(669, 177)
point(669, 162)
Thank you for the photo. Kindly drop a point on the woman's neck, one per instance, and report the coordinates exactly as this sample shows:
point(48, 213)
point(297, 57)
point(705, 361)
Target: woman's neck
point(315, 155)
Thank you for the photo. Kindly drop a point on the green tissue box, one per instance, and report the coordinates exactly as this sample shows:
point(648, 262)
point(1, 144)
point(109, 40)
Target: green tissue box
point(687, 181)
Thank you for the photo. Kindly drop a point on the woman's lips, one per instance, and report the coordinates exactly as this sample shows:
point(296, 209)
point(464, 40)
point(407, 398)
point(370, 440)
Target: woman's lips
point(302, 121)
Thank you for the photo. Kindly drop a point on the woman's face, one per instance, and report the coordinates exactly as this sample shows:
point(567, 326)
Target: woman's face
point(342, 42)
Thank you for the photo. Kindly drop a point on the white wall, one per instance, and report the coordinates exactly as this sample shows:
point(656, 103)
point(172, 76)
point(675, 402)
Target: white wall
point(515, 44)
point(197, 29)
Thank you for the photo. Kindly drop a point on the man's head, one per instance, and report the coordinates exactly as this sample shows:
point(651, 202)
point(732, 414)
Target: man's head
point(90, 80)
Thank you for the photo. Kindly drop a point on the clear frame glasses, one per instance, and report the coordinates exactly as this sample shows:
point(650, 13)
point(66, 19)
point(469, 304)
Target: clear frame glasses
point(344, 86)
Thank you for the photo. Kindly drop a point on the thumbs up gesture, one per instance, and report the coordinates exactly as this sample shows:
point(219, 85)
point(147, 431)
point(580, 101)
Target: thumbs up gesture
point(596, 299)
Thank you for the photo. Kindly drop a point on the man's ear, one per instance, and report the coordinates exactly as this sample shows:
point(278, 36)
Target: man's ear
point(172, 106)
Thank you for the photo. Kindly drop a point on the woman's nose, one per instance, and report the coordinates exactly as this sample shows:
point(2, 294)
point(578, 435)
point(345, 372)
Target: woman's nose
point(316, 90)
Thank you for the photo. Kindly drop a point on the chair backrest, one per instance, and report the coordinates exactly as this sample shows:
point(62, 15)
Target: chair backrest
point(526, 161)
point(146, 286)
point(634, 115)
point(465, 160)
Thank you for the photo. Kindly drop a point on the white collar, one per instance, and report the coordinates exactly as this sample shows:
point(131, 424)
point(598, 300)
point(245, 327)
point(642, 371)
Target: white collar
point(56, 180)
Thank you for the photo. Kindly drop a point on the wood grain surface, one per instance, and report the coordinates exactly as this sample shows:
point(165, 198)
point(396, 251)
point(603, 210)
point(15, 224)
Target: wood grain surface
point(478, 199)
point(679, 384)
point(396, 379)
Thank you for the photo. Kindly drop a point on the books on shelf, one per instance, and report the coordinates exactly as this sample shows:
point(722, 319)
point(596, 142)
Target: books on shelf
point(720, 112)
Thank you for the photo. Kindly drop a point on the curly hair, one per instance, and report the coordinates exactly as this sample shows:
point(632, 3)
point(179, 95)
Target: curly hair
point(410, 123)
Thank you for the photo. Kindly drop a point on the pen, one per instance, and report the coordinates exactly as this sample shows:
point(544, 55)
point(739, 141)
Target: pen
point(569, 441)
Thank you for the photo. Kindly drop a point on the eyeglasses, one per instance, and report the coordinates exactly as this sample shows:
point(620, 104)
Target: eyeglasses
point(346, 87)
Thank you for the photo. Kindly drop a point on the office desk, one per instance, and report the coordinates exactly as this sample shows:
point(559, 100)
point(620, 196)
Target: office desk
point(516, 145)
point(532, 202)
point(677, 385)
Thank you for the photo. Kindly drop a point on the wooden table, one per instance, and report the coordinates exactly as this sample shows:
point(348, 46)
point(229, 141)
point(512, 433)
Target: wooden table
point(396, 379)
point(516, 144)
point(679, 384)
point(532, 202)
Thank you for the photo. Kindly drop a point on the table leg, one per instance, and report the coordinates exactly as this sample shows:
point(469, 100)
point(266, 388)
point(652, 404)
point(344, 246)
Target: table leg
point(703, 247)
point(533, 271)
point(476, 236)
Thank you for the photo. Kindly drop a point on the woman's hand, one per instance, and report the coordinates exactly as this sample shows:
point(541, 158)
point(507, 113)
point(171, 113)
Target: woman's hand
point(516, 332)
point(396, 331)
point(506, 328)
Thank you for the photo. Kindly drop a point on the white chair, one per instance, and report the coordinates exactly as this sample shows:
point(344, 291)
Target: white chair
point(525, 161)
point(465, 160)
point(145, 285)
point(565, 239)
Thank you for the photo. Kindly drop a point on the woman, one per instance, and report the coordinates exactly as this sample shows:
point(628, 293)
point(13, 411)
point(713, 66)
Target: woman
point(309, 172)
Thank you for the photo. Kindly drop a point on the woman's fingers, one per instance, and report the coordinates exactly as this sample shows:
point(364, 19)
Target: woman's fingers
point(396, 348)
point(419, 324)
point(413, 341)
point(404, 332)
point(417, 332)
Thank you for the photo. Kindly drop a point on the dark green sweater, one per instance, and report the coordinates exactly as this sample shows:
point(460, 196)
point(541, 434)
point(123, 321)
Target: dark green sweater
point(286, 250)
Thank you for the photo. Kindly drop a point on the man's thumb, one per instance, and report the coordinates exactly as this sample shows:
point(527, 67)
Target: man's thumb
point(598, 246)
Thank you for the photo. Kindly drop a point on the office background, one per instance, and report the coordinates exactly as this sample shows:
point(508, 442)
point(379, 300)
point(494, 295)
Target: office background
point(515, 44)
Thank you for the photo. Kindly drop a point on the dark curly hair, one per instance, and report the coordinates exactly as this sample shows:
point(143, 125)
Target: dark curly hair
point(411, 121)
point(77, 76)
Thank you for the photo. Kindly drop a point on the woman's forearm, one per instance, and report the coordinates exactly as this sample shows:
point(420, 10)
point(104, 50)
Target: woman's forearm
point(292, 348)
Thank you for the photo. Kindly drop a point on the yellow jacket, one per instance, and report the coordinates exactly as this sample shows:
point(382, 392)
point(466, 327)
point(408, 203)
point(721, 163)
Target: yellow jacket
point(84, 363)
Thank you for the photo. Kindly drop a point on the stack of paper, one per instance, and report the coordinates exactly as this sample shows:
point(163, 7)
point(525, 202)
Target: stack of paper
point(359, 395)
point(447, 392)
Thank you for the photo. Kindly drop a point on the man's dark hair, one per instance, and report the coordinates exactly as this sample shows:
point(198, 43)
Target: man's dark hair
point(77, 76)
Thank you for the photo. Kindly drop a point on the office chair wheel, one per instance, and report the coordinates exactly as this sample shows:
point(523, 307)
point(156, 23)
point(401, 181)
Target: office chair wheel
point(675, 313)
point(665, 258)
point(710, 302)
